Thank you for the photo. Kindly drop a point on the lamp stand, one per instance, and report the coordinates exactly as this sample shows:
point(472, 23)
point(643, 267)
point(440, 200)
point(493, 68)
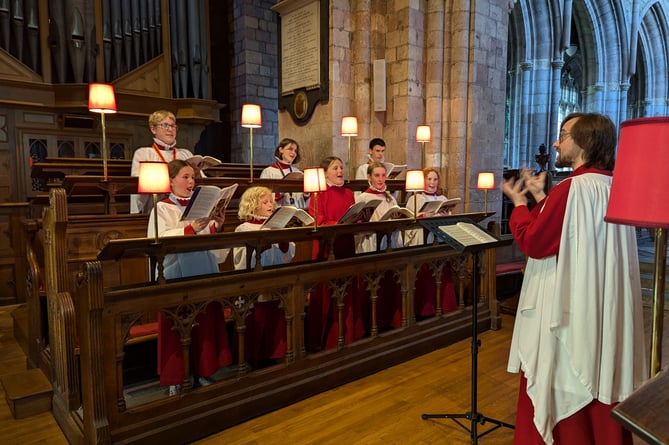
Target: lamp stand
point(485, 200)
point(104, 145)
point(155, 218)
point(350, 163)
point(415, 198)
point(658, 301)
point(315, 211)
point(251, 154)
point(422, 161)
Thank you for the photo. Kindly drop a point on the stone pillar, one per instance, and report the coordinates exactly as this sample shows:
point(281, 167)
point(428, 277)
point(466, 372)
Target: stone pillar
point(435, 155)
point(255, 78)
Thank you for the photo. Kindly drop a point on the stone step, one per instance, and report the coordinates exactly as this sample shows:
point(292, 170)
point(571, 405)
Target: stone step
point(27, 393)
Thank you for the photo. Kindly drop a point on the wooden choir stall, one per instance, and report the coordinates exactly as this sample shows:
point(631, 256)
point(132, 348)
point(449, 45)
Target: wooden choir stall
point(93, 307)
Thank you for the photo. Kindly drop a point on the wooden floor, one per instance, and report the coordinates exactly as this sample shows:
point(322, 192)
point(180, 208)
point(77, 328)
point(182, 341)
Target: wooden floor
point(384, 408)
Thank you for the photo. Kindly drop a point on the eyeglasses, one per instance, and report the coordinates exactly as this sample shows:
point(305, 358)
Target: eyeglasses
point(563, 135)
point(166, 126)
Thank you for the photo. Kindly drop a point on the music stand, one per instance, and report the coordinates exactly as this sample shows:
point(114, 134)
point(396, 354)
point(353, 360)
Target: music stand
point(467, 237)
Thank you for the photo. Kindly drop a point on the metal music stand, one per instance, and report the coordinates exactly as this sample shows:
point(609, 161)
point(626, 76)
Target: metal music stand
point(474, 248)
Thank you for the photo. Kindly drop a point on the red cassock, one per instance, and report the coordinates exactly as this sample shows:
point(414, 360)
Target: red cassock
point(265, 336)
point(206, 353)
point(322, 318)
point(425, 296)
point(209, 348)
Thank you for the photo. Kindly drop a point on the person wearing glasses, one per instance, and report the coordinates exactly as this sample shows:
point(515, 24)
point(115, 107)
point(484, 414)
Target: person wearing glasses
point(578, 338)
point(163, 126)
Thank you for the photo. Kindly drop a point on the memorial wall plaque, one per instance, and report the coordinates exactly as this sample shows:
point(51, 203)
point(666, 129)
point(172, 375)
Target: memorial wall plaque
point(303, 56)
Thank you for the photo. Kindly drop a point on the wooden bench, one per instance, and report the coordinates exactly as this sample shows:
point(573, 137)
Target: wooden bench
point(83, 237)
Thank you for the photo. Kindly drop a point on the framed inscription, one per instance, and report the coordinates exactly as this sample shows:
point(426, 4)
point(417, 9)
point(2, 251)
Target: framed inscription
point(303, 56)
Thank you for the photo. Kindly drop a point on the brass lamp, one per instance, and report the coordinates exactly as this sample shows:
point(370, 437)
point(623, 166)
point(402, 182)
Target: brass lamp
point(314, 182)
point(349, 128)
point(251, 118)
point(423, 135)
point(154, 178)
point(415, 182)
point(485, 182)
point(101, 99)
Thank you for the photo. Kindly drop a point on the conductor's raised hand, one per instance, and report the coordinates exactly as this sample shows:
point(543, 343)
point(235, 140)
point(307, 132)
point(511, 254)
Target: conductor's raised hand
point(535, 184)
point(513, 189)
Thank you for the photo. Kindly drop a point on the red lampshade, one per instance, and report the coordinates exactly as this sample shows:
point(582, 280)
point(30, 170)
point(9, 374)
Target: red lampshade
point(314, 180)
point(485, 181)
point(101, 98)
point(251, 116)
point(154, 177)
point(640, 181)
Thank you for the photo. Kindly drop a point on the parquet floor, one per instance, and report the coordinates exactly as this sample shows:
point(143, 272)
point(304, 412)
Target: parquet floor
point(384, 408)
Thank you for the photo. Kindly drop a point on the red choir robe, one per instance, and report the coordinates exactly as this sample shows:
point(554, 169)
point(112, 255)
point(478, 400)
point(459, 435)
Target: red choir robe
point(265, 335)
point(389, 292)
point(578, 334)
point(209, 347)
point(425, 294)
point(322, 318)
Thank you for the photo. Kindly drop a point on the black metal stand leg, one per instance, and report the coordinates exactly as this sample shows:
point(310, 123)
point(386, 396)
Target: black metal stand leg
point(474, 417)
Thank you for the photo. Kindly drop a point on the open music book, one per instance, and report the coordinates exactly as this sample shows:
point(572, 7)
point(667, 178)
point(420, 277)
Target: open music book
point(203, 162)
point(393, 170)
point(360, 211)
point(287, 216)
point(207, 201)
point(467, 234)
point(294, 175)
point(438, 206)
point(396, 212)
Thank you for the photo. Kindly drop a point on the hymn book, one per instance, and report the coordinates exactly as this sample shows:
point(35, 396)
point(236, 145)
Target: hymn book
point(397, 212)
point(287, 216)
point(393, 170)
point(203, 162)
point(207, 201)
point(361, 211)
point(294, 175)
point(467, 234)
point(436, 207)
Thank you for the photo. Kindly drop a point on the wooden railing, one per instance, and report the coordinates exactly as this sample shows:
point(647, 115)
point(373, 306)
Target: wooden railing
point(90, 316)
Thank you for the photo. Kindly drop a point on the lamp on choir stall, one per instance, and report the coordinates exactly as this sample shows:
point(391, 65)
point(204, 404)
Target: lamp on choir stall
point(638, 198)
point(314, 182)
point(154, 178)
point(251, 118)
point(485, 182)
point(349, 127)
point(415, 182)
point(423, 135)
point(101, 99)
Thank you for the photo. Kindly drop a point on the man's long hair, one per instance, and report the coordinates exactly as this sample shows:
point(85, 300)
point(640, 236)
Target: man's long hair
point(596, 134)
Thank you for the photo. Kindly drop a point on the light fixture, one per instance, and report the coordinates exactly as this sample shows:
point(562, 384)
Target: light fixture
point(423, 135)
point(485, 182)
point(101, 99)
point(349, 127)
point(314, 182)
point(414, 182)
point(154, 178)
point(251, 118)
point(638, 198)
